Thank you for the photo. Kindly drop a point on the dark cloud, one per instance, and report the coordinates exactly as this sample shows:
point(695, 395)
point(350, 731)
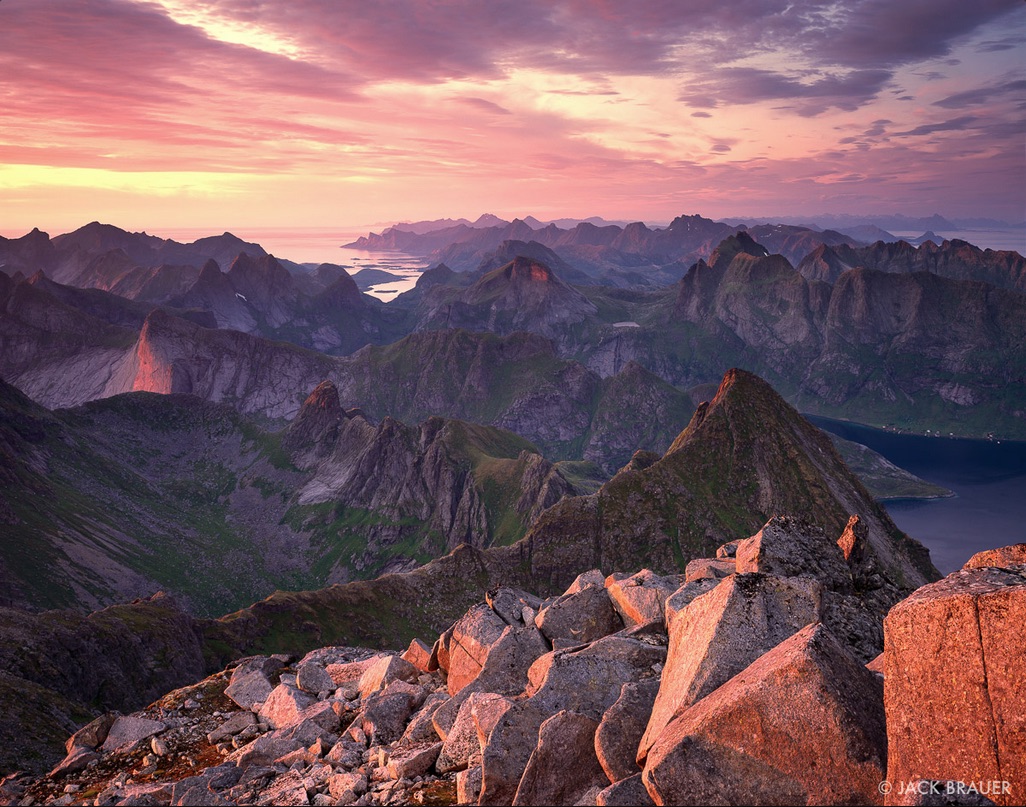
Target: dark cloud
point(953, 125)
point(748, 85)
point(980, 95)
point(700, 114)
point(484, 105)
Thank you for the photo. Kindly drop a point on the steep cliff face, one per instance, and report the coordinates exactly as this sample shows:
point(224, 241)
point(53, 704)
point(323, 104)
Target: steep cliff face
point(745, 456)
point(895, 342)
point(955, 259)
point(523, 295)
point(142, 492)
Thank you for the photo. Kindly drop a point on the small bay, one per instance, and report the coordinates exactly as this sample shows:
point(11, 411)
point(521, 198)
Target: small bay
point(987, 476)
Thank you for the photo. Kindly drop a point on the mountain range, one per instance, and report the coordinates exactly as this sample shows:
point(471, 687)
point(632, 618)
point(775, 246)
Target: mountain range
point(115, 466)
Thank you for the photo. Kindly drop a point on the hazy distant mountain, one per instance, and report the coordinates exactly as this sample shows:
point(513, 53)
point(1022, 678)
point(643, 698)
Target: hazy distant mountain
point(955, 259)
point(632, 256)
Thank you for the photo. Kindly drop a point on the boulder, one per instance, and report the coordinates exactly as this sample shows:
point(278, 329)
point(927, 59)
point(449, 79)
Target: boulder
point(563, 766)
point(588, 679)
point(640, 597)
point(126, 732)
point(413, 761)
point(622, 726)
point(682, 597)
point(727, 550)
point(462, 747)
point(77, 760)
point(503, 671)
point(854, 623)
point(471, 638)
point(803, 724)
point(629, 792)
point(249, 688)
point(709, 569)
point(579, 617)
point(283, 706)
point(342, 786)
point(313, 678)
point(350, 672)
point(508, 732)
point(1014, 555)
point(263, 751)
point(721, 632)
point(92, 734)
point(418, 654)
point(509, 604)
point(791, 547)
point(421, 727)
point(468, 785)
point(383, 671)
point(232, 726)
point(384, 714)
point(953, 675)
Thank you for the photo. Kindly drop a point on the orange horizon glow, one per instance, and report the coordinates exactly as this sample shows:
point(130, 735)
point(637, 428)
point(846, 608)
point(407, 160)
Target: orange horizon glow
point(224, 114)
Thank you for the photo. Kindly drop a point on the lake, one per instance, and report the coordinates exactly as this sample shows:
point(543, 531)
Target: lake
point(988, 478)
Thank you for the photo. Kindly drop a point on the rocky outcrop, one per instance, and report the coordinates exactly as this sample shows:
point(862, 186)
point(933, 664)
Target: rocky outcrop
point(523, 295)
point(803, 724)
point(955, 259)
point(953, 672)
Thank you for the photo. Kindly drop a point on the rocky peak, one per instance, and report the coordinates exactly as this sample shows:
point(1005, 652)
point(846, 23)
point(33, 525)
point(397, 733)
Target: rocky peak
point(739, 243)
point(527, 270)
point(315, 428)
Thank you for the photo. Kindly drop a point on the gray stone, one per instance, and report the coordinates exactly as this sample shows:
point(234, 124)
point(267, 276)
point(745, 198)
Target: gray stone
point(580, 616)
point(233, 725)
point(468, 785)
point(509, 733)
point(77, 760)
point(313, 678)
point(287, 790)
point(622, 726)
point(126, 732)
point(803, 724)
point(640, 597)
point(503, 671)
point(413, 761)
point(563, 766)
point(249, 689)
point(384, 671)
point(709, 569)
point(791, 547)
point(727, 550)
point(509, 604)
point(421, 727)
point(263, 751)
point(283, 706)
point(92, 734)
point(723, 631)
point(588, 679)
point(462, 746)
point(629, 792)
point(419, 655)
point(384, 714)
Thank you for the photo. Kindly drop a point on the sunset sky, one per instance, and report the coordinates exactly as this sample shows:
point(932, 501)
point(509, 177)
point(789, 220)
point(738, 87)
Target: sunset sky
point(157, 114)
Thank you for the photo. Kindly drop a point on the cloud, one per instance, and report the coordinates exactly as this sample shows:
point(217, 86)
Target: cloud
point(483, 105)
point(953, 125)
point(980, 95)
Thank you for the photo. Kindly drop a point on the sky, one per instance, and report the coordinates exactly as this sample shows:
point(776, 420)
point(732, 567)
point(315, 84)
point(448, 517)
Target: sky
point(221, 114)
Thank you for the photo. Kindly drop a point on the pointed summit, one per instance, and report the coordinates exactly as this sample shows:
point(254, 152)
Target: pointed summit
point(739, 243)
point(315, 428)
point(745, 457)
